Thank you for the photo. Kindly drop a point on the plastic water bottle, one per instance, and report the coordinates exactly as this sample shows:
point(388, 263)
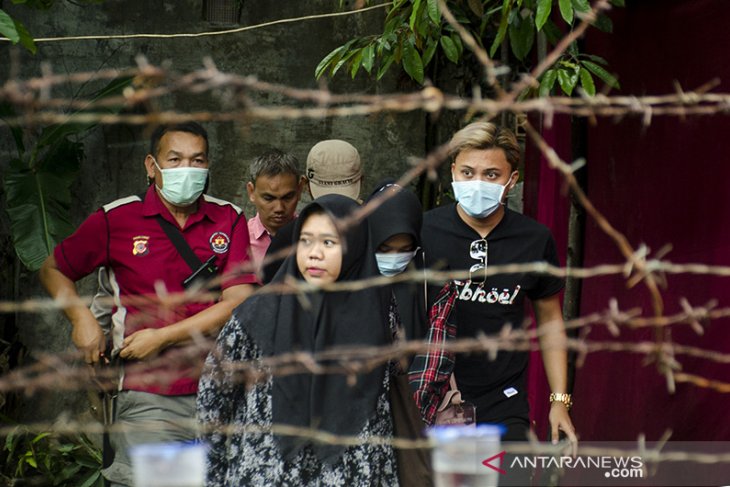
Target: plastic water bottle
point(169, 464)
point(458, 454)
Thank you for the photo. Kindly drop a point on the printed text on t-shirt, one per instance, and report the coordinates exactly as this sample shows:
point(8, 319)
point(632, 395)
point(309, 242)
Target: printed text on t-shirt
point(476, 293)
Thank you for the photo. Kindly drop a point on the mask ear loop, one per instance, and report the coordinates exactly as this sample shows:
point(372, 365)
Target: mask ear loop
point(506, 190)
point(425, 282)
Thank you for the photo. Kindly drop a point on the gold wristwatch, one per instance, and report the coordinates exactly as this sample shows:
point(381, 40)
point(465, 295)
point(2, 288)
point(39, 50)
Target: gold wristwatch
point(561, 397)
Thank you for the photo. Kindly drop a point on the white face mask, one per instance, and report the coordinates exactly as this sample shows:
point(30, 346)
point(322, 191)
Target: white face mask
point(477, 198)
point(391, 264)
point(182, 186)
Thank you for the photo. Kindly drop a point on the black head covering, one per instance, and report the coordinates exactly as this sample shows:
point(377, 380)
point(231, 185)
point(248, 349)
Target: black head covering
point(334, 319)
point(401, 212)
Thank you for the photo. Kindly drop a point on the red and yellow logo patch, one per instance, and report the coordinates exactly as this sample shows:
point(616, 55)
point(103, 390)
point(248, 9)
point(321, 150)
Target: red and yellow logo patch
point(139, 245)
point(219, 242)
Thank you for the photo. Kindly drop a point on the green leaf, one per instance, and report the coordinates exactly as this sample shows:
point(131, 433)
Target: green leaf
point(91, 479)
point(26, 40)
point(415, 14)
point(368, 58)
point(8, 28)
point(603, 23)
point(431, 46)
point(586, 81)
point(39, 199)
point(114, 87)
point(346, 54)
point(384, 67)
point(566, 10)
point(412, 62)
point(596, 59)
point(67, 448)
point(544, 7)
point(12, 441)
point(607, 77)
point(88, 463)
point(581, 5)
point(547, 82)
point(476, 7)
point(324, 63)
point(342, 61)
point(567, 80)
point(456, 38)
point(503, 24)
point(618, 3)
point(522, 37)
point(30, 459)
point(433, 11)
point(39, 437)
point(356, 62)
point(68, 472)
point(396, 10)
point(450, 49)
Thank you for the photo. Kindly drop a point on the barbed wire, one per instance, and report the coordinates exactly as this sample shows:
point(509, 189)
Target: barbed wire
point(242, 107)
point(238, 94)
point(172, 299)
point(652, 453)
point(50, 370)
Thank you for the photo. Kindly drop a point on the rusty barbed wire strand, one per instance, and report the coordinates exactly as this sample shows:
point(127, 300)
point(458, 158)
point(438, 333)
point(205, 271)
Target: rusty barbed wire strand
point(653, 454)
point(429, 99)
point(353, 360)
point(418, 276)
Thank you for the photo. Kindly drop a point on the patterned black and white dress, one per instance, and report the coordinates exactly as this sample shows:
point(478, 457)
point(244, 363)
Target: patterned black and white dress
point(252, 458)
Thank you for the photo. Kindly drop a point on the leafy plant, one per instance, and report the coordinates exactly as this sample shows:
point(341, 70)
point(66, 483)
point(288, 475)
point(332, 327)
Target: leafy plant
point(38, 181)
point(50, 459)
point(16, 32)
point(415, 33)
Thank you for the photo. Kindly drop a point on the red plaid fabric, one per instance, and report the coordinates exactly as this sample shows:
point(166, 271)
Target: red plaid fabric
point(429, 373)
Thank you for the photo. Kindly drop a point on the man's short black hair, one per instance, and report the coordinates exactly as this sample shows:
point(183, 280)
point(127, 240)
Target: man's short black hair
point(190, 127)
point(273, 163)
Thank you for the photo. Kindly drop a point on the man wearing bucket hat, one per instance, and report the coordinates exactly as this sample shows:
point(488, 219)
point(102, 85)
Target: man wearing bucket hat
point(333, 167)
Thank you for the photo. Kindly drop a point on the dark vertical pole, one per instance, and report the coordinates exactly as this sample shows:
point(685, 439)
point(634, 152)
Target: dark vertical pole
point(576, 238)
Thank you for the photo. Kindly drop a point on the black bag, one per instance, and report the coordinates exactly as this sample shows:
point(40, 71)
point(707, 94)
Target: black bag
point(414, 464)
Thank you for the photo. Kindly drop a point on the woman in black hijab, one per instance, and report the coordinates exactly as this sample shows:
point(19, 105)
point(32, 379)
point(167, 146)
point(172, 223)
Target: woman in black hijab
point(395, 229)
point(269, 324)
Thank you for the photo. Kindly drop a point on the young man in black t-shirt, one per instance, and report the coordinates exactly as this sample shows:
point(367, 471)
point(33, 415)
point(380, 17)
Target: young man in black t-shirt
point(479, 232)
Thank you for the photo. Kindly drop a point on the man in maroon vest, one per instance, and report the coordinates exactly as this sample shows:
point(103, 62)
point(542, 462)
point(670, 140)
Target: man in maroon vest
point(133, 239)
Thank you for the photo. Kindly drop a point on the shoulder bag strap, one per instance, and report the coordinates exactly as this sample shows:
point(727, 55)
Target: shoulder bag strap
point(177, 239)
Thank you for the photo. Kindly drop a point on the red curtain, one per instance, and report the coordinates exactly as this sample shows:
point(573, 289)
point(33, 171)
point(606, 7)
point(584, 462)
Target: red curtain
point(665, 183)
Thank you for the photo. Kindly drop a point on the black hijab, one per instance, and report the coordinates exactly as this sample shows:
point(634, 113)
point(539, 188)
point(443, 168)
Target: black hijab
point(401, 212)
point(333, 319)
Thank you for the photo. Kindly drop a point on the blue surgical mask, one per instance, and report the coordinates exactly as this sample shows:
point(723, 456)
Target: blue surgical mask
point(182, 186)
point(477, 198)
point(391, 264)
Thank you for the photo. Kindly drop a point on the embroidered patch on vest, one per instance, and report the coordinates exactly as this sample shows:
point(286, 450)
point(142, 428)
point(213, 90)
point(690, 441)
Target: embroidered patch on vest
point(219, 242)
point(139, 245)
